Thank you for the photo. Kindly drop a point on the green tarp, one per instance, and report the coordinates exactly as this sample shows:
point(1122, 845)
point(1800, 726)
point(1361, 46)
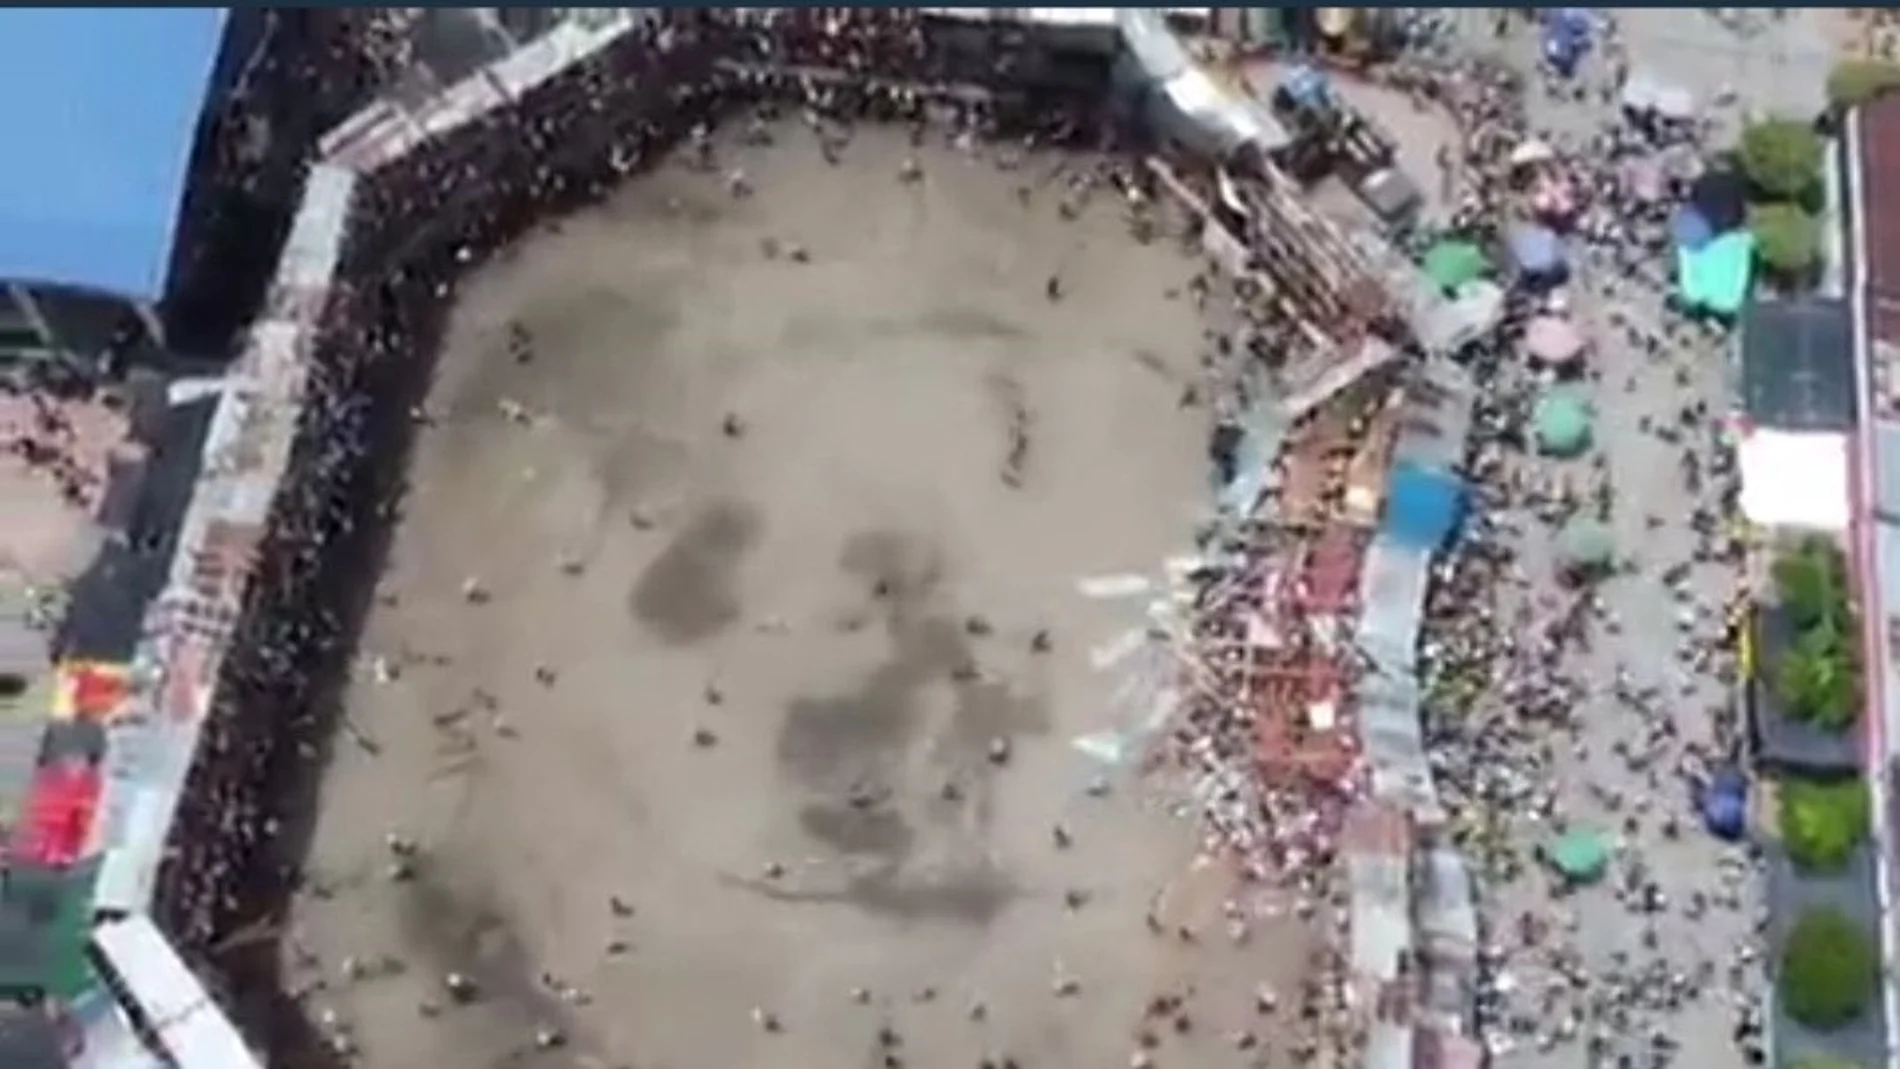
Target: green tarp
point(1451, 264)
point(1563, 423)
point(1716, 277)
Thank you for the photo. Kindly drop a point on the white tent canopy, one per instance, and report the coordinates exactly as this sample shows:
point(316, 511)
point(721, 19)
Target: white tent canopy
point(1795, 480)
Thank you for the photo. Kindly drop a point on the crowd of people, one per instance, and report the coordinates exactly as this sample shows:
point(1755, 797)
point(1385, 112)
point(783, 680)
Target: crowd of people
point(1497, 613)
point(235, 847)
point(1605, 704)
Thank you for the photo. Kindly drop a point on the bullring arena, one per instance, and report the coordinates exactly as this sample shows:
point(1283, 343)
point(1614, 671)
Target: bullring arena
point(746, 574)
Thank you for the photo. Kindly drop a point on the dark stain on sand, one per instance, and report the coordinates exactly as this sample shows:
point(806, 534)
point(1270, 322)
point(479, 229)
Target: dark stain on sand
point(690, 591)
point(451, 926)
point(851, 749)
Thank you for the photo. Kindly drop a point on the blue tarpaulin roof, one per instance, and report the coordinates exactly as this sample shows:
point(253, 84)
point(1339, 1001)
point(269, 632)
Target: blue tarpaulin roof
point(106, 103)
point(1422, 507)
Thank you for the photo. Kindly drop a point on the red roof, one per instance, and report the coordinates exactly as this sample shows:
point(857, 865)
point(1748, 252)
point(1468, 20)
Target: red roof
point(59, 813)
point(1331, 572)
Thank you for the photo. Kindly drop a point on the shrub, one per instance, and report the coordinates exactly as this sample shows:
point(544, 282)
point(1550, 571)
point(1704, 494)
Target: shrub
point(1818, 680)
point(1811, 584)
point(1823, 823)
point(1857, 81)
point(1787, 239)
point(1830, 969)
point(1782, 157)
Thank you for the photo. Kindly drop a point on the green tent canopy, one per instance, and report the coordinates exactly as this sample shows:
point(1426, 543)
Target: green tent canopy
point(1451, 264)
point(1581, 856)
point(1563, 422)
point(1586, 543)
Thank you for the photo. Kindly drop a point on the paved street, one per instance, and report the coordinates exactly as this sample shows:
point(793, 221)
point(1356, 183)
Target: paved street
point(1658, 957)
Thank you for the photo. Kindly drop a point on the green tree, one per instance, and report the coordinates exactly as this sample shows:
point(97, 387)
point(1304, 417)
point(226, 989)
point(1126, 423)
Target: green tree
point(1787, 239)
point(1811, 583)
point(1830, 969)
point(1818, 681)
point(1782, 157)
point(1856, 81)
point(1823, 823)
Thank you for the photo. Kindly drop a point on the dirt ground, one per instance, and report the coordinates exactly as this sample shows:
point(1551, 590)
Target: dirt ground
point(845, 856)
point(47, 539)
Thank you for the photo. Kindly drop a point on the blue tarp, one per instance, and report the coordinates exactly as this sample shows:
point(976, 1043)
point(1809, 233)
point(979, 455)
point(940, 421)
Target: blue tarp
point(106, 109)
point(1422, 507)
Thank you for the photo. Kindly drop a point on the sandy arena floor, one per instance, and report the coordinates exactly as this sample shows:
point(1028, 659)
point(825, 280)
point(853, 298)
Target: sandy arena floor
point(845, 856)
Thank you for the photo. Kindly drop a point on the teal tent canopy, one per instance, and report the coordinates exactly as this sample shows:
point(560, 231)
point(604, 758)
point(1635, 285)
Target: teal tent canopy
point(1451, 264)
point(1563, 423)
point(1716, 277)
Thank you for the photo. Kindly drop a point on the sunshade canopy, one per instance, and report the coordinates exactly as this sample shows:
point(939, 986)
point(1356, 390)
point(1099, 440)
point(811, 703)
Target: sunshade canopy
point(1551, 340)
point(107, 104)
point(1581, 855)
point(1531, 151)
point(1724, 804)
point(1451, 264)
point(1536, 249)
point(1585, 543)
point(1563, 423)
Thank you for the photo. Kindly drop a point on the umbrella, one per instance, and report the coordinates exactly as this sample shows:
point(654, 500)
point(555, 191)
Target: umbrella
point(1554, 198)
point(1451, 264)
point(1532, 151)
point(1724, 804)
point(1550, 340)
point(1563, 423)
point(1691, 228)
point(1585, 544)
point(1536, 250)
point(1581, 856)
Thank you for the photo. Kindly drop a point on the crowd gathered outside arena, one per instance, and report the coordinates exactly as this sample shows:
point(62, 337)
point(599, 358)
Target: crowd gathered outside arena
point(1496, 617)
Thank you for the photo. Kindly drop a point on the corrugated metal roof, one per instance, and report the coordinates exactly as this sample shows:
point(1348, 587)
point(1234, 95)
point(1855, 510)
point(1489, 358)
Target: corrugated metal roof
point(1436, 424)
point(1378, 849)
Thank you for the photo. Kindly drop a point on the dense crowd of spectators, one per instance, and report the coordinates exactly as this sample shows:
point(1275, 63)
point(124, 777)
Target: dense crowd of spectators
point(236, 845)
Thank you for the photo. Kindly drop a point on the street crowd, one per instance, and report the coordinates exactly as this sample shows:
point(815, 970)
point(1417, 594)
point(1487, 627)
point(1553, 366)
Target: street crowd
point(1602, 704)
point(1499, 613)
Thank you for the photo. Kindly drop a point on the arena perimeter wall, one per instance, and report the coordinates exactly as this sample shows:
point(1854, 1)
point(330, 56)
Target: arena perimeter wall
point(255, 436)
point(189, 628)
